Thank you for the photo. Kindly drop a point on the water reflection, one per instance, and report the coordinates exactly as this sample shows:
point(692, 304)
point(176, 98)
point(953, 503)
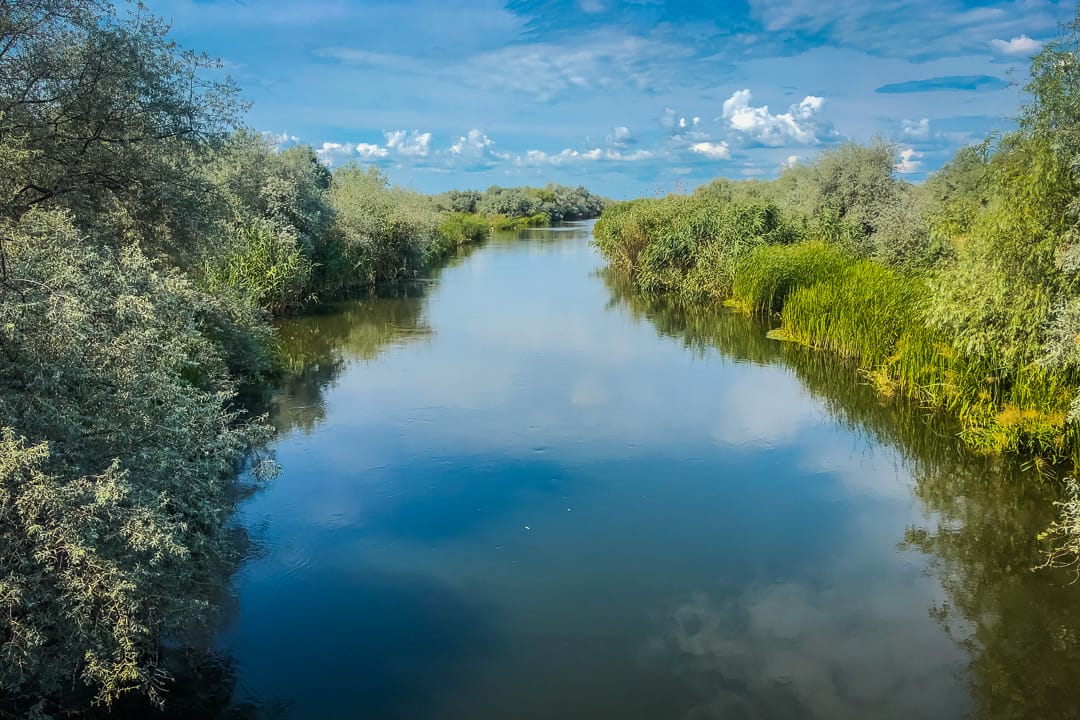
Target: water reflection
point(318, 347)
point(982, 515)
point(523, 490)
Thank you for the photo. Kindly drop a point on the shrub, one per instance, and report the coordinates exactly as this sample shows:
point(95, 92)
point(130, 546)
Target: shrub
point(265, 265)
point(464, 228)
point(118, 452)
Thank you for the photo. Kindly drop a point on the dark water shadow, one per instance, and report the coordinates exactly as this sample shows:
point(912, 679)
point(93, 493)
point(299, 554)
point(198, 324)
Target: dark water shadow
point(406, 641)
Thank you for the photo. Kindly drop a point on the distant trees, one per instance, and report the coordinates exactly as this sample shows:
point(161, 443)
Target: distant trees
point(556, 202)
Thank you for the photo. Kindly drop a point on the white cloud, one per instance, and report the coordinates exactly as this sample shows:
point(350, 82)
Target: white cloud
point(909, 160)
point(636, 155)
point(412, 144)
point(798, 125)
point(920, 129)
point(367, 150)
point(714, 151)
point(621, 136)
point(1022, 45)
point(943, 28)
point(792, 161)
point(475, 142)
point(539, 157)
point(604, 61)
point(332, 153)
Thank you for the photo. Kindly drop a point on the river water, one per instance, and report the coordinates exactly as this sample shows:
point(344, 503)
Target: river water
point(517, 490)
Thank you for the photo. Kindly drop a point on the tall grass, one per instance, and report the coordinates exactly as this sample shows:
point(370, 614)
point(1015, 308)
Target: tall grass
point(265, 265)
point(767, 275)
point(860, 313)
point(875, 316)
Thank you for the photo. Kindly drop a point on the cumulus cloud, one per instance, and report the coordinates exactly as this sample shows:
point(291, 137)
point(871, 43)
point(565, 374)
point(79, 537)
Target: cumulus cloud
point(476, 142)
point(792, 161)
point(1022, 45)
point(798, 125)
point(916, 129)
point(368, 150)
point(332, 152)
point(712, 150)
point(412, 144)
point(674, 123)
point(909, 160)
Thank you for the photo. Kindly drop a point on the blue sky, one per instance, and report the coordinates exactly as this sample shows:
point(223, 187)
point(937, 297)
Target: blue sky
point(628, 97)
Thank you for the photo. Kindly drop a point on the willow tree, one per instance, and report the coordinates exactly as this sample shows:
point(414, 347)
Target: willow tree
point(102, 114)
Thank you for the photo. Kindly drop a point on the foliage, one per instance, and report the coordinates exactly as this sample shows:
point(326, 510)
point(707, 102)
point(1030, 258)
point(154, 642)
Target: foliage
point(103, 115)
point(119, 448)
point(553, 201)
point(691, 244)
point(462, 228)
point(502, 222)
point(768, 274)
point(264, 264)
point(387, 233)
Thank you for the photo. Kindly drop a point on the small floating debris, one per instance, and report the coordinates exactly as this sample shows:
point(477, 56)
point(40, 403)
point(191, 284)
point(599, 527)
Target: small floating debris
point(527, 527)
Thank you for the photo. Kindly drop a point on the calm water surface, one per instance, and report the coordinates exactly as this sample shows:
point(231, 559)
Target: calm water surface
point(517, 490)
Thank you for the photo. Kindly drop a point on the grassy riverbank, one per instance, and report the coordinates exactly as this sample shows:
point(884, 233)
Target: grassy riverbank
point(961, 293)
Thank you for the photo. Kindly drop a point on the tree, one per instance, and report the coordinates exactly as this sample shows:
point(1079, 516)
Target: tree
point(102, 114)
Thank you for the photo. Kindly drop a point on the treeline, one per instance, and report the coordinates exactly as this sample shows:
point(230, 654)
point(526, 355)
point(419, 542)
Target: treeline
point(508, 208)
point(144, 244)
point(962, 293)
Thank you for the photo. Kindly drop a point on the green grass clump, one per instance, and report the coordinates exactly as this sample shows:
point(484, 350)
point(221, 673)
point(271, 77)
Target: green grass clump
point(464, 228)
point(860, 313)
point(767, 275)
point(875, 316)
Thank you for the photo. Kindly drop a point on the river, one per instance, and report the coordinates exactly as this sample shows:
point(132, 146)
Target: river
point(517, 490)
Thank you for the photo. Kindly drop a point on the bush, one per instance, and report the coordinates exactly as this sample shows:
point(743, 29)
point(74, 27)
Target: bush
point(688, 244)
point(463, 228)
point(118, 454)
point(266, 266)
point(387, 234)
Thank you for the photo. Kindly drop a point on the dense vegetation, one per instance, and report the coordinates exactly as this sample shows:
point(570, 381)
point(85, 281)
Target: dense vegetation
point(144, 243)
point(961, 293)
point(509, 208)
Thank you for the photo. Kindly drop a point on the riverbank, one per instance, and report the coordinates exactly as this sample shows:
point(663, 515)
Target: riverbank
point(954, 293)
